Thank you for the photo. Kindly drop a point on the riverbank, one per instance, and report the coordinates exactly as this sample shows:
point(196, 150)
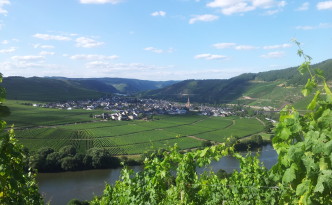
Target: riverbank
point(59, 188)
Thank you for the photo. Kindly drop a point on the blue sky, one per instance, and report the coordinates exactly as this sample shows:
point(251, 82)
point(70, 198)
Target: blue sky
point(159, 39)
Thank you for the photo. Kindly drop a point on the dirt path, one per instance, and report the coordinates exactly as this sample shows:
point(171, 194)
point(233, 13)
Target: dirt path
point(197, 138)
point(263, 123)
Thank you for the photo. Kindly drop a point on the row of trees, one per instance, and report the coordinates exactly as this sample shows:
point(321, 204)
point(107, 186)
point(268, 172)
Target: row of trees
point(67, 159)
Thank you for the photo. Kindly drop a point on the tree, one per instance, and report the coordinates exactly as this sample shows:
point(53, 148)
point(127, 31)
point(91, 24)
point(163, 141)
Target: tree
point(101, 158)
point(53, 161)
point(68, 150)
point(268, 127)
point(38, 160)
point(257, 139)
point(69, 163)
point(77, 202)
point(17, 185)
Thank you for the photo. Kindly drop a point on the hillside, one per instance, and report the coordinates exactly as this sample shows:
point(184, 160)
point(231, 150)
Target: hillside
point(272, 88)
point(291, 75)
point(130, 86)
point(60, 88)
point(43, 89)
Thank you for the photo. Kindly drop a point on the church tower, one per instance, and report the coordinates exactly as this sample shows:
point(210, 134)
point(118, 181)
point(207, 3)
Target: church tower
point(188, 103)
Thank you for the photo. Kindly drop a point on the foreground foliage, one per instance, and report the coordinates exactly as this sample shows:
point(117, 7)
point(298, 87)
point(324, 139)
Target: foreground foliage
point(17, 185)
point(302, 175)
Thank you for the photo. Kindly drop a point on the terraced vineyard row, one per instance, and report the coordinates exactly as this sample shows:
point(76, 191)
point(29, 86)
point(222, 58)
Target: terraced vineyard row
point(135, 137)
point(55, 138)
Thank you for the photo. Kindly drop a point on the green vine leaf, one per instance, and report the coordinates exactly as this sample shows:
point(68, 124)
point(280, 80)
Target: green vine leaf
point(303, 187)
point(313, 102)
point(328, 93)
point(290, 174)
point(324, 181)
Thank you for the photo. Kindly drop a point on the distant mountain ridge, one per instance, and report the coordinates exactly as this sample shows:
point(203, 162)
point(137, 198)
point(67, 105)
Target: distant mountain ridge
point(61, 88)
point(272, 88)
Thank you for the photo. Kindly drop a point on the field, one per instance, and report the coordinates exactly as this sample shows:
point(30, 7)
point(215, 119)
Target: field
point(57, 128)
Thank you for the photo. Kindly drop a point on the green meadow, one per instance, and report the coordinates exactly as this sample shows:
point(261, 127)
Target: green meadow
point(44, 127)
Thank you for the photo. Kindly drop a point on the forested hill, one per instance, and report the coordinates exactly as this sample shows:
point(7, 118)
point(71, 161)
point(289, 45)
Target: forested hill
point(129, 86)
point(291, 75)
point(44, 89)
point(272, 88)
point(205, 91)
point(60, 88)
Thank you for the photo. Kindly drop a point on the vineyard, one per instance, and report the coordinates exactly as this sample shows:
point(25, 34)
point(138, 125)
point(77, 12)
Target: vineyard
point(136, 137)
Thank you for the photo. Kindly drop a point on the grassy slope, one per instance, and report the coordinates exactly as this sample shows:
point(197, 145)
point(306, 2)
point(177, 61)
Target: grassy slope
point(28, 116)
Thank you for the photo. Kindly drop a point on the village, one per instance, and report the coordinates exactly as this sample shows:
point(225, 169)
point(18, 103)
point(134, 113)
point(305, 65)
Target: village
point(124, 108)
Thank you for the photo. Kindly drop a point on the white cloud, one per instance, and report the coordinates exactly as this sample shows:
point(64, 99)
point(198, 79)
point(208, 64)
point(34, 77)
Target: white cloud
point(223, 3)
point(51, 37)
point(245, 47)
point(229, 7)
point(158, 13)
point(4, 42)
point(87, 42)
point(103, 66)
point(8, 50)
point(224, 45)
point(100, 1)
point(207, 56)
point(93, 57)
point(237, 8)
point(305, 27)
point(276, 54)
point(263, 3)
point(44, 53)
point(285, 45)
point(324, 5)
point(319, 26)
point(205, 18)
point(43, 46)
point(28, 69)
point(28, 58)
point(153, 49)
point(128, 70)
point(271, 12)
point(157, 50)
point(303, 7)
point(234, 46)
point(2, 4)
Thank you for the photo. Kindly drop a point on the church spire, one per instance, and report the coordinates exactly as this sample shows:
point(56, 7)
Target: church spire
point(188, 103)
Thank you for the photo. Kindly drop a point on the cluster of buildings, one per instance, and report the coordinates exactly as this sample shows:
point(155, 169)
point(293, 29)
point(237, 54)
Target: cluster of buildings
point(124, 108)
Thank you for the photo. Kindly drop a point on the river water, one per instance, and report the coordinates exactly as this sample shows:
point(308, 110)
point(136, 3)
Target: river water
point(59, 188)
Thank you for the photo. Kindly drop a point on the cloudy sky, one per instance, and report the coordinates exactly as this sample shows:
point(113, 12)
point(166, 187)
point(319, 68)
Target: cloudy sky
point(159, 39)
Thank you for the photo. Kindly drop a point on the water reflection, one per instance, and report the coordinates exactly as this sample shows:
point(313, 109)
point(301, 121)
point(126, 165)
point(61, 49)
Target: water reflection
point(267, 155)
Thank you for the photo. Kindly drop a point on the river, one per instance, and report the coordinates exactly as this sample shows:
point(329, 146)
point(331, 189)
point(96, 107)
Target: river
point(59, 188)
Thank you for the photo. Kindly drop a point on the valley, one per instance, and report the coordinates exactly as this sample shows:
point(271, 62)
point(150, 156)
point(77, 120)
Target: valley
point(55, 128)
